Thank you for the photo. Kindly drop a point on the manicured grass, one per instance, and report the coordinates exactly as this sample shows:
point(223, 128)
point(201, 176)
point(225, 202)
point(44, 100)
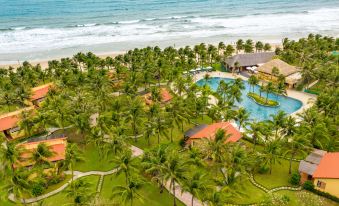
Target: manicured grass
point(62, 199)
point(279, 176)
point(92, 160)
point(294, 198)
point(149, 192)
point(56, 186)
point(249, 194)
point(261, 100)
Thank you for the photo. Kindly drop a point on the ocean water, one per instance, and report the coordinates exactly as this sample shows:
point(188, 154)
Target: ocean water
point(258, 112)
point(44, 29)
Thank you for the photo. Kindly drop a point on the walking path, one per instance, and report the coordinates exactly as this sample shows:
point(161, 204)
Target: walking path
point(182, 196)
point(252, 180)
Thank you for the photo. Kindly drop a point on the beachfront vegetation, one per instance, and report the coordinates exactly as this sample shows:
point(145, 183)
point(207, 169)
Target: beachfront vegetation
point(99, 105)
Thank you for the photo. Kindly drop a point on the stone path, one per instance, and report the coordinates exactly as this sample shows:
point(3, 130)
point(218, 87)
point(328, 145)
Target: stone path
point(184, 197)
point(252, 180)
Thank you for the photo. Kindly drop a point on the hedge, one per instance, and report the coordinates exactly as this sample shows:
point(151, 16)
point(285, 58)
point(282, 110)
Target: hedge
point(321, 193)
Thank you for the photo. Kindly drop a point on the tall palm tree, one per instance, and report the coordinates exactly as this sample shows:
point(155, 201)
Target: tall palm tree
point(196, 185)
point(128, 193)
point(272, 151)
point(134, 114)
point(174, 170)
point(242, 116)
point(259, 46)
point(239, 45)
point(253, 81)
point(297, 144)
point(19, 184)
point(278, 121)
point(79, 191)
point(254, 130)
point(269, 88)
point(126, 164)
point(72, 156)
point(41, 154)
point(10, 153)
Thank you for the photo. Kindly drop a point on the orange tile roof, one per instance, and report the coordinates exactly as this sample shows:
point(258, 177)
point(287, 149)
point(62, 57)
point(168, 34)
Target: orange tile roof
point(40, 91)
point(328, 166)
point(165, 96)
point(10, 120)
point(57, 146)
point(209, 132)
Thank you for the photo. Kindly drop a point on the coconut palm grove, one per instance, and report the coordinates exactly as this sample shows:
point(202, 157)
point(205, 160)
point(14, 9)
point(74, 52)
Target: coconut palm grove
point(148, 128)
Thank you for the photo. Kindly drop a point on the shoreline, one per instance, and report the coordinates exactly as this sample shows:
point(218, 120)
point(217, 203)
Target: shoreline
point(44, 62)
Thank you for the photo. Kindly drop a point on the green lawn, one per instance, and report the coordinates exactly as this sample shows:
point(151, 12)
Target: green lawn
point(62, 199)
point(279, 176)
point(92, 160)
point(295, 200)
point(149, 192)
point(249, 194)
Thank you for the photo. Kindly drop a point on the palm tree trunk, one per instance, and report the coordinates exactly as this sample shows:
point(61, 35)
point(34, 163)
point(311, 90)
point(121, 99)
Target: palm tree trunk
point(290, 167)
point(192, 202)
point(266, 97)
point(172, 134)
point(174, 197)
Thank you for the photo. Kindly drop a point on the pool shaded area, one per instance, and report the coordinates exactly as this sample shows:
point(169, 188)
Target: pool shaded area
point(257, 112)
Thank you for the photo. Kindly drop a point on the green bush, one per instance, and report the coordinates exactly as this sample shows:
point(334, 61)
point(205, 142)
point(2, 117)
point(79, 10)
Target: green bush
point(37, 189)
point(295, 178)
point(308, 185)
point(263, 169)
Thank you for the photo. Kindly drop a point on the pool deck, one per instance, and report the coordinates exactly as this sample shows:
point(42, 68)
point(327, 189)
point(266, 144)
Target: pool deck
point(307, 99)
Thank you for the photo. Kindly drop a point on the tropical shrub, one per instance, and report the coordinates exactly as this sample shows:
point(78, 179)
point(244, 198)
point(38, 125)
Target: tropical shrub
point(37, 189)
point(308, 185)
point(295, 178)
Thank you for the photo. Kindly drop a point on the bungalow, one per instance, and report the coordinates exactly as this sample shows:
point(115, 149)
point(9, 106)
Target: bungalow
point(322, 169)
point(9, 123)
point(57, 147)
point(208, 131)
point(291, 73)
point(247, 60)
point(39, 93)
point(165, 96)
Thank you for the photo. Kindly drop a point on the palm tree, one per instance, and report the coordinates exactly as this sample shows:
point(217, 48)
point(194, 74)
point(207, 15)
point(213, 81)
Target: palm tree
point(242, 116)
point(9, 154)
point(18, 184)
point(79, 191)
point(271, 152)
point(129, 192)
point(134, 114)
point(126, 164)
point(269, 88)
point(174, 170)
point(248, 47)
point(81, 123)
point(215, 198)
point(41, 154)
point(207, 77)
point(254, 130)
point(72, 156)
point(267, 47)
point(253, 81)
point(239, 45)
point(297, 144)
point(278, 121)
point(149, 131)
point(195, 185)
point(259, 46)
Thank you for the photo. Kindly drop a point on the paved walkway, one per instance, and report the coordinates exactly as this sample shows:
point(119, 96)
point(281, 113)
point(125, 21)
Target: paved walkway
point(182, 196)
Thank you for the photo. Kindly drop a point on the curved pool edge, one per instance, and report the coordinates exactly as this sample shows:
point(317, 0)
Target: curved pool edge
point(307, 100)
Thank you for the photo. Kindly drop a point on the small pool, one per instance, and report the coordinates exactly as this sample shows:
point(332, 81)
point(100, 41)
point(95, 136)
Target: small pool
point(258, 112)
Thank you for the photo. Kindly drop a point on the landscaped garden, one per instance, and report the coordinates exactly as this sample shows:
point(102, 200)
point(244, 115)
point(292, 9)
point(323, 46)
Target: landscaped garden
point(103, 119)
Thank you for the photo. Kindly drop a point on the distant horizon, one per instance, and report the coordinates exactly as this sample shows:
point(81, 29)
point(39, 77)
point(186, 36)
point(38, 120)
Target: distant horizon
point(39, 31)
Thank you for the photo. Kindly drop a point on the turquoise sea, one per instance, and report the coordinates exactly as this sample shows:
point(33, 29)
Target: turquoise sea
point(43, 29)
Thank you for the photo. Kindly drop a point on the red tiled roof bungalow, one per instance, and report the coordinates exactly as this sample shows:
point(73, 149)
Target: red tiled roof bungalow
point(209, 131)
point(326, 176)
point(39, 93)
point(57, 146)
point(9, 123)
point(165, 96)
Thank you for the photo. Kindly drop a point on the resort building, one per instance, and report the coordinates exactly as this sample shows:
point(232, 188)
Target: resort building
point(39, 93)
point(57, 147)
point(165, 96)
point(208, 131)
point(322, 169)
point(276, 67)
point(9, 123)
point(243, 61)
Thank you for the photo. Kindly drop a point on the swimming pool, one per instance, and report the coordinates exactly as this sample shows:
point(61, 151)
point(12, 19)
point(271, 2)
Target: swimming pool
point(258, 112)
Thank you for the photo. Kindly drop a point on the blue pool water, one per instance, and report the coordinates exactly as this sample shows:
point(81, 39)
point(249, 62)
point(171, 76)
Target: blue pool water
point(258, 112)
